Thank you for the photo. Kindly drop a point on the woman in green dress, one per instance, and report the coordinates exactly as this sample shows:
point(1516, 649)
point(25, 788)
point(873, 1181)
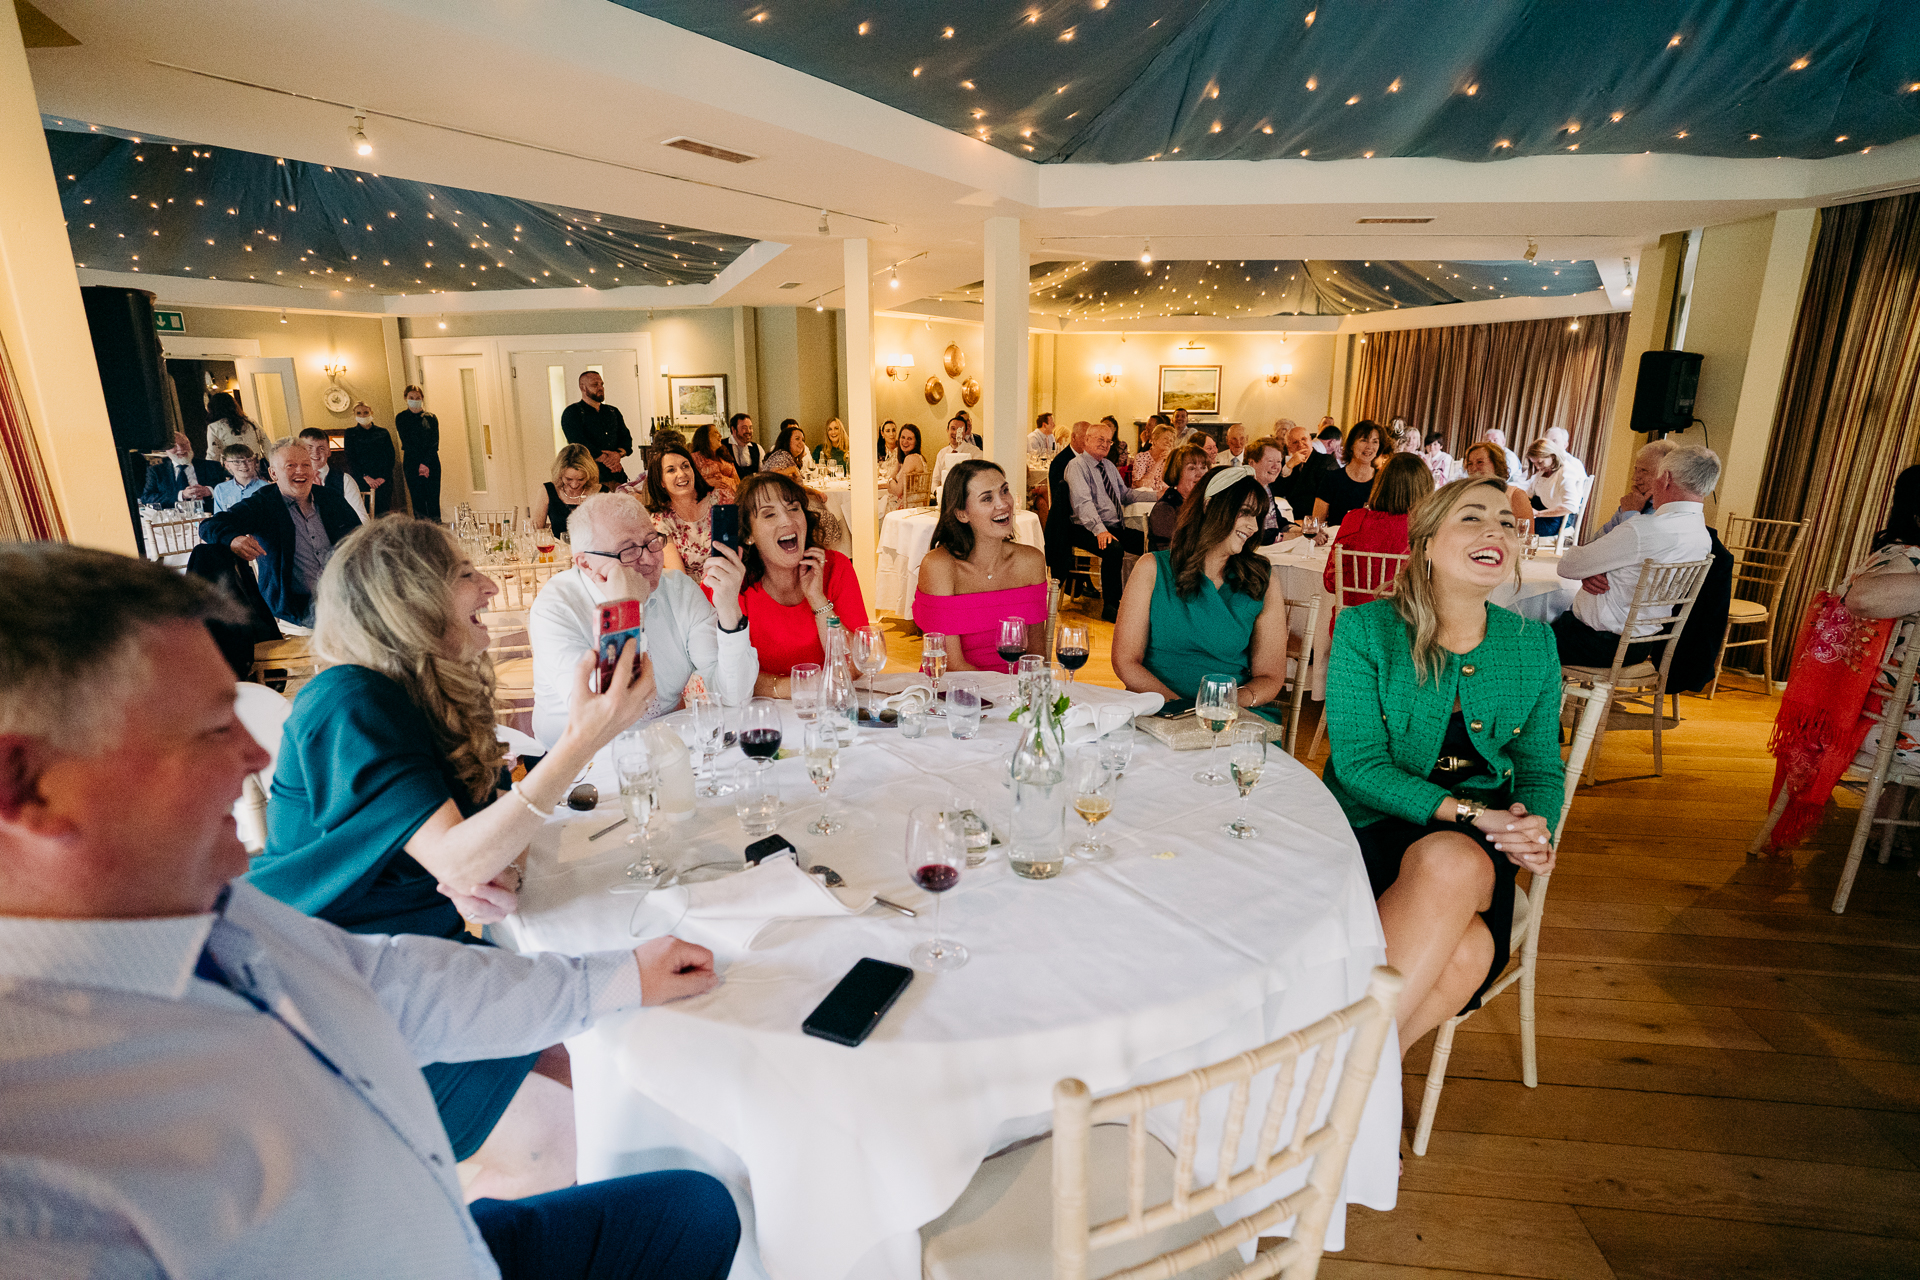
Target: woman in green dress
point(1209, 604)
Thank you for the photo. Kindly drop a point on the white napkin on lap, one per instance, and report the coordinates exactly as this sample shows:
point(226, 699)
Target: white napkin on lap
point(736, 908)
point(1084, 723)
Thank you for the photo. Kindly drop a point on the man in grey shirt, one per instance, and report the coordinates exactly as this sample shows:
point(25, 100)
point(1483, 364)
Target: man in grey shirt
point(1100, 497)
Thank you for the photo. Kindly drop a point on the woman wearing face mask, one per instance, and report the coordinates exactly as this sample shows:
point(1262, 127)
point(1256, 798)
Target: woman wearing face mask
point(977, 576)
point(370, 457)
point(791, 585)
point(420, 443)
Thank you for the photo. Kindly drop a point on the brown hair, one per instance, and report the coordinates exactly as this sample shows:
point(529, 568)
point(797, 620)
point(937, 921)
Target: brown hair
point(657, 497)
point(748, 498)
point(1177, 462)
point(1402, 481)
point(953, 533)
point(1204, 524)
point(1495, 454)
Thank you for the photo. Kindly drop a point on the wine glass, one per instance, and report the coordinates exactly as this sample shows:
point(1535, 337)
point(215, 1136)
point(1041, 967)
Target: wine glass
point(1217, 707)
point(936, 853)
point(1093, 788)
point(807, 684)
point(634, 765)
point(869, 656)
point(1247, 757)
point(1071, 652)
point(760, 732)
point(709, 721)
point(1013, 641)
point(822, 741)
point(933, 660)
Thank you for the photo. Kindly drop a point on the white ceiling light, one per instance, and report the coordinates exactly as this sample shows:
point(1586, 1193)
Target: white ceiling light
point(361, 147)
point(1146, 252)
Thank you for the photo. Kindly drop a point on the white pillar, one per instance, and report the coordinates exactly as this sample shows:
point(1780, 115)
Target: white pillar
point(862, 430)
point(1008, 396)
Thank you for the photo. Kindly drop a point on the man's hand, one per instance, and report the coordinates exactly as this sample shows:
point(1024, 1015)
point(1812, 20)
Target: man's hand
point(196, 491)
point(424, 473)
point(617, 580)
point(610, 459)
point(1101, 539)
point(1594, 586)
point(673, 970)
point(373, 483)
point(1634, 501)
point(247, 547)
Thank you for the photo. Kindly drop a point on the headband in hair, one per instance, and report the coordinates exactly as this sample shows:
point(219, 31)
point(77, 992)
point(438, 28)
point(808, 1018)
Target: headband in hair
point(1225, 477)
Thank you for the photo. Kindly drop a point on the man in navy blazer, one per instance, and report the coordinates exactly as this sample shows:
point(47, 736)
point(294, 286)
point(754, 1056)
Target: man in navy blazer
point(178, 475)
point(291, 529)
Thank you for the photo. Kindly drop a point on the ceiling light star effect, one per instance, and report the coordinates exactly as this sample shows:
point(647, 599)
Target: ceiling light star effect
point(1131, 80)
point(161, 207)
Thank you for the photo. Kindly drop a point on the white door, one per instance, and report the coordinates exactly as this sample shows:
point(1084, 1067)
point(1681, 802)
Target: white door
point(474, 463)
point(546, 382)
point(268, 386)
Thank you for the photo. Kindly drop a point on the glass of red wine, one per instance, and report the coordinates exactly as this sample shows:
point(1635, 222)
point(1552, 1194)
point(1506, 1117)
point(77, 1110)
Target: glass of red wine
point(760, 732)
point(936, 854)
point(1013, 641)
point(1071, 652)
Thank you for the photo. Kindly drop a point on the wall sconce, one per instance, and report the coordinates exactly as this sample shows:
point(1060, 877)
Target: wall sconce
point(1281, 378)
point(898, 365)
point(333, 370)
point(1106, 376)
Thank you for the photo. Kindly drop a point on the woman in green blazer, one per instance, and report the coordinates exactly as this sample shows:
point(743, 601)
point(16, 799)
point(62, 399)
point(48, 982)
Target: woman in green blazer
point(1443, 714)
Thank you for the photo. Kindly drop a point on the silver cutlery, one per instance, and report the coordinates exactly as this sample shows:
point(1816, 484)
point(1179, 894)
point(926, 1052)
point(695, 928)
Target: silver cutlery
point(834, 880)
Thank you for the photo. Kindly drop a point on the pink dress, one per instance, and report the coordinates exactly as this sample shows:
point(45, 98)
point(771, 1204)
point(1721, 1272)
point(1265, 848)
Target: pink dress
point(976, 619)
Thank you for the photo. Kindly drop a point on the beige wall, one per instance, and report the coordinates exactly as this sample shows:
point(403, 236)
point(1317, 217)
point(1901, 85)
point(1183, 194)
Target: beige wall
point(311, 342)
point(925, 341)
point(798, 352)
point(1724, 303)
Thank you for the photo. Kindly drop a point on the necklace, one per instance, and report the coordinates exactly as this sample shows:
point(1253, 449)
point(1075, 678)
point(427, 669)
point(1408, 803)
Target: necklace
point(1006, 554)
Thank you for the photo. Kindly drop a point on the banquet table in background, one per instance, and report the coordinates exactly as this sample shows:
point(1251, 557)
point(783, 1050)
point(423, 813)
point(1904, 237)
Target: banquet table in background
point(839, 495)
point(1185, 949)
point(905, 537)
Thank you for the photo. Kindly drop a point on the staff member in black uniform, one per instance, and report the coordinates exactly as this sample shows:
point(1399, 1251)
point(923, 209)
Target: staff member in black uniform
point(420, 443)
point(370, 457)
point(592, 422)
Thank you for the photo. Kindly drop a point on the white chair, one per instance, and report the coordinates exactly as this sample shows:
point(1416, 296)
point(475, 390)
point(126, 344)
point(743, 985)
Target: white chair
point(1302, 652)
point(171, 538)
point(263, 713)
point(1358, 576)
point(999, 1229)
point(1529, 909)
point(1763, 552)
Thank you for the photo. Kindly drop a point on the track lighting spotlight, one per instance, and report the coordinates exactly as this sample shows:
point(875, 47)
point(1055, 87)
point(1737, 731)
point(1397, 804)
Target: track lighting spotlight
point(360, 144)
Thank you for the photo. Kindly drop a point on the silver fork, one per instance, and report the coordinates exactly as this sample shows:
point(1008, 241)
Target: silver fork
point(834, 880)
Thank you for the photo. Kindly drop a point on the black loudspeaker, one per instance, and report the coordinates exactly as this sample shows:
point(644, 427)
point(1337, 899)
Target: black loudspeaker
point(1663, 397)
point(127, 350)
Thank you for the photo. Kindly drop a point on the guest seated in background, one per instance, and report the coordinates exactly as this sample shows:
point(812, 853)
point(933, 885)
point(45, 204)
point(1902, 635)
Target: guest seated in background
point(1118, 455)
point(1576, 469)
point(1487, 459)
point(199, 1081)
point(910, 485)
point(1209, 445)
point(1344, 488)
point(741, 449)
point(789, 446)
point(1186, 467)
point(1059, 526)
point(179, 475)
point(1638, 499)
point(576, 477)
point(389, 815)
point(1887, 585)
point(291, 529)
point(786, 585)
point(226, 425)
point(327, 476)
point(1554, 492)
point(1438, 460)
point(618, 554)
point(710, 458)
point(889, 445)
point(246, 480)
point(1380, 526)
point(1266, 458)
point(978, 574)
point(1151, 462)
point(1515, 474)
point(682, 504)
point(1235, 454)
point(1443, 713)
point(1327, 439)
point(960, 448)
point(1100, 499)
point(1608, 568)
point(833, 447)
point(1041, 441)
point(1298, 483)
point(1209, 604)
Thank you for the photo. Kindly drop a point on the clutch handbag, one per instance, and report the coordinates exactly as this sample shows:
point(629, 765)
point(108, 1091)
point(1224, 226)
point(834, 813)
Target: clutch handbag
point(1186, 733)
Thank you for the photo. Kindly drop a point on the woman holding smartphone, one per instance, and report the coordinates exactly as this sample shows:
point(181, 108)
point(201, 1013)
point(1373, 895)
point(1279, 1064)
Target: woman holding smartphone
point(787, 586)
point(682, 504)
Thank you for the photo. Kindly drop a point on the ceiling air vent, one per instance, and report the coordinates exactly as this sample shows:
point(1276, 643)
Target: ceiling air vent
point(708, 150)
point(1377, 222)
point(791, 284)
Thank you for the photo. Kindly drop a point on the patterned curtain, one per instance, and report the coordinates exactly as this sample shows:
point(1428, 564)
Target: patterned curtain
point(27, 509)
point(1849, 415)
point(1521, 377)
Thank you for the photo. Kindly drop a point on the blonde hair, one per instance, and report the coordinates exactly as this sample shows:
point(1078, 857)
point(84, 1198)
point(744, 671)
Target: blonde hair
point(576, 458)
point(1412, 590)
point(385, 602)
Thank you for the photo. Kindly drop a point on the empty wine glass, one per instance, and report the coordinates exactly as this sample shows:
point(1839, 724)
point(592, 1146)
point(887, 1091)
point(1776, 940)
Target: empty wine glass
point(869, 656)
point(635, 767)
point(936, 853)
point(823, 761)
point(1093, 788)
point(760, 732)
point(1217, 707)
point(1013, 641)
point(1071, 652)
point(806, 683)
point(1247, 757)
point(709, 721)
point(1116, 749)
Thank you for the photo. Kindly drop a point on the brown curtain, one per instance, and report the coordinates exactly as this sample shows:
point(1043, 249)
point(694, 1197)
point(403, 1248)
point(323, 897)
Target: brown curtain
point(1521, 377)
point(1849, 415)
point(27, 509)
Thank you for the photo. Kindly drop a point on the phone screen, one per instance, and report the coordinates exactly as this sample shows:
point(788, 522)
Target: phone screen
point(854, 1007)
point(726, 524)
point(620, 621)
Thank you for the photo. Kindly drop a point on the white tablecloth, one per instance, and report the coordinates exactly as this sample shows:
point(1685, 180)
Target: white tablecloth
point(839, 494)
point(1117, 973)
point(1542, 595)
point(905, 537)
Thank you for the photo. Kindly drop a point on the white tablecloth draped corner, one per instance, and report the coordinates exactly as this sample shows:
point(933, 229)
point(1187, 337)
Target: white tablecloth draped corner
point(905, 538)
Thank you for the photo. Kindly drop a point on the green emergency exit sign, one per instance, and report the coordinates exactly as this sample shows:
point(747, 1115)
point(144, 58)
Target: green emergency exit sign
point(170, 321)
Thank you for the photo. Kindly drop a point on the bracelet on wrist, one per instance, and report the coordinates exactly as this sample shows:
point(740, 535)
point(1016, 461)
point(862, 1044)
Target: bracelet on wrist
point(542, 814)
point(825, 608)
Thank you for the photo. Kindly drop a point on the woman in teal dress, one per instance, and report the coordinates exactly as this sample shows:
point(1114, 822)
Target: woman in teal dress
point(1209, 604)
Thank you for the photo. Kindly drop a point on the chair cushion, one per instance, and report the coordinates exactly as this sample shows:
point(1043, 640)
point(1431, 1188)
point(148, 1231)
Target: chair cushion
point(1746, 611)
point(1593, 675)
point(1001, 1227)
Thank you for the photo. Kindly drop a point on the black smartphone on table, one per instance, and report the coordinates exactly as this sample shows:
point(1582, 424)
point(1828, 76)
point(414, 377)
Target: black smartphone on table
point(760, 850)
point(1174, 709)
point(854, 1008)
point(726, 524)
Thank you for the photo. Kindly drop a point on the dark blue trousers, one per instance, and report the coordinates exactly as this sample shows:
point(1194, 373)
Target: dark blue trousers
point(676, 1225)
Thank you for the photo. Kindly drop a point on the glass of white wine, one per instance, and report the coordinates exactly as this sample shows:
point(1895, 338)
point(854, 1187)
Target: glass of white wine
point(823, 761)
point(633, 763)
point(1247, 757)
point(1093, 787)
point(1217, 707)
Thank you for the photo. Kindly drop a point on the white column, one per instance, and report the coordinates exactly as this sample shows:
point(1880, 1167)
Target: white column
point(1009, 396)
point(862, 430)
point(1744, 449)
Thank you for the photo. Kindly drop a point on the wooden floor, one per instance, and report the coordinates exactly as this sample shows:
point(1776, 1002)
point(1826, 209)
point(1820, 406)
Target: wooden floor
point(1729, 1073)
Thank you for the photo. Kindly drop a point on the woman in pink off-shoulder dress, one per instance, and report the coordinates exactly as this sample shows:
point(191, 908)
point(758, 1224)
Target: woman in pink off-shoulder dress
point(977, 575)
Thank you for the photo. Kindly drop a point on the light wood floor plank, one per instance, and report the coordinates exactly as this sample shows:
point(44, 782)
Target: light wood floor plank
point(1730, 988)
point(1723, 953)
point(1655, 1246)
point(1478, 1235)
point(1838, 1035)
point(1624, 1022)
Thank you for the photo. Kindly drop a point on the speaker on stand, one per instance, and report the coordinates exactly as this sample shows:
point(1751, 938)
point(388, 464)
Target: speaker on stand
point(140, 404)
point(1664, 394)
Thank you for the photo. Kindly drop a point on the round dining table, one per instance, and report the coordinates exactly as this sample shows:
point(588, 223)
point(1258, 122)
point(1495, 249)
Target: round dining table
point(1186, 948)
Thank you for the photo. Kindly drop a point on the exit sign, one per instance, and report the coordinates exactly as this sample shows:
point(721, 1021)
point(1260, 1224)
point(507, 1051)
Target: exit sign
point(170, 321)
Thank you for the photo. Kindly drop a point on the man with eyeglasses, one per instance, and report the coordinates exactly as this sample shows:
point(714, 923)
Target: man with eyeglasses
point(617, 554)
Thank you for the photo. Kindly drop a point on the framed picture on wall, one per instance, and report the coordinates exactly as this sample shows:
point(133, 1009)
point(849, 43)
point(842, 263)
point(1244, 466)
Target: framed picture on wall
point(1193, 387)
point(697, 400)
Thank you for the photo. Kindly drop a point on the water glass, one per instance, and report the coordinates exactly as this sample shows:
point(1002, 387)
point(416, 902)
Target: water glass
point(869, 653)
point(963, 706)
point(1030, 667)
point(970, 814)
point(1116, 749)
point(634, 766)
point(709, 721)
point(807, 684)
point(756, 802)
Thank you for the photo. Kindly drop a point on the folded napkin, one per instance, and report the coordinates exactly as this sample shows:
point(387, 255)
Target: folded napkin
point(1085, 722)
point(735, 908)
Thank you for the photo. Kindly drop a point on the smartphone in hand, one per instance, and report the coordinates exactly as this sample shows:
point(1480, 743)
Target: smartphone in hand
point(620, 621)
point(726, 524)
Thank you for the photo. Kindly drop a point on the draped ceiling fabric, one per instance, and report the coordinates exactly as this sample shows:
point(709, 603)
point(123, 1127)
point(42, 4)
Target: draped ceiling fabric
point(1128, 290)
point(28, 512)
point(1521, 377)
point(1092, 82)
point(167, 208)
point(1849, 415)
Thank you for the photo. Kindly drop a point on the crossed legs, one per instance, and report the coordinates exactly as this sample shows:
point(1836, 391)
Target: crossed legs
point(1435, 936)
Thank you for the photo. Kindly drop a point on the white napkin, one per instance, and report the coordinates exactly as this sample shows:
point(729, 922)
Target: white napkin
point(1085, 723)
point(735, 908)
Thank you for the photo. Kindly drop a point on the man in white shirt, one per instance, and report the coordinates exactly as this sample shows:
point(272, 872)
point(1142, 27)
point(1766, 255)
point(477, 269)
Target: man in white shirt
point(198, 1080)
point(1041, 441)
point(618, 554)
point(1608, 568)
point(1516, 474)
point(960, 447)
point(1235, 454)
point(1638, 499)
point(1576, 469)
point(320, 448)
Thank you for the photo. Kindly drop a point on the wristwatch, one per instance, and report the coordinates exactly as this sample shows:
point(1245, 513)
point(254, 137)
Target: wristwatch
point(1465, 811)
